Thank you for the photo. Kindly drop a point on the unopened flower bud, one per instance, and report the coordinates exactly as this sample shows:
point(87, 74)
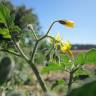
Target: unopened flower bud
point(67, 23)
point(30, 26)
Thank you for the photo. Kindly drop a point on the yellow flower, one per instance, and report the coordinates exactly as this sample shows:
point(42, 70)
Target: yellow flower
point(65, 47)
point(67, 23)
point(56, 39)
point(70, 53)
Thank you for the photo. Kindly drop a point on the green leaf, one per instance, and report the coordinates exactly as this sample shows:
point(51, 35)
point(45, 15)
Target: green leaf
point(51, 67)
point(15, 29)
point(4, 14)
point(7, 36)
point(80, 71)
point(11, 19)
point(88, 89)
point(4, 17)
point(80, 59)
point(90, 56)
point(2, 20)
point(5, 33)
point(65, 61)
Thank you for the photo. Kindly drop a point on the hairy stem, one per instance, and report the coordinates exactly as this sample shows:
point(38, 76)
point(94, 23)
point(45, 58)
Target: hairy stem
point(18, 48)
point(11, 52)
point(38, 40)
point(70, 83)
point(37, 74)
point(34, 34)
point(21, 51)
point(31, 60)
point(34, 51)
point(51, 27)
point(46, 35)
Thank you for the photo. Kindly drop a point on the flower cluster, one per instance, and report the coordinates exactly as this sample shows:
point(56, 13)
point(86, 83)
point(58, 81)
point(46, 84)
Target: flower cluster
point(63, 46)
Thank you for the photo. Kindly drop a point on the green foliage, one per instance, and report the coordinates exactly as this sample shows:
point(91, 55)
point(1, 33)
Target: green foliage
point(90, 57)
point(4, 33)
point(51, 67)
point(69, 64)
point(8, 29)
point(85, 90)
point(86, 58)
point(14, 19)
point(65, 62)
point(23, 16)
point(4, 17)
point(80, 59)
point(81, 71)
point(4, 14)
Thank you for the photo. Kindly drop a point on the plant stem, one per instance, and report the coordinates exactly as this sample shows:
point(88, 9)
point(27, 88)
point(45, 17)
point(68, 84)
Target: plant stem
point(34, 51)
point(70, 83)
point(38, 40)
point(37, 74)
point(11, 52)
point(34, 68)
point(51, 27)
point(46, 35)
point(21, 51)
point(30, 61)
point(34, 34)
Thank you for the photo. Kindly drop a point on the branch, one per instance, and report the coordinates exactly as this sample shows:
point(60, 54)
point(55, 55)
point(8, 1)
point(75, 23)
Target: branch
point(37, 42)
point(67, 70)
point(70, 84)
point(74, 70)
point(18, 47)
point(11, 52)
point(51, 27)
point(33, 32)
point(34, 51)
point(21, 51)
point(37, 74)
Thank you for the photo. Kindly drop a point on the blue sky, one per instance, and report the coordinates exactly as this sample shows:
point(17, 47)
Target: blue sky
point(82, 12)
